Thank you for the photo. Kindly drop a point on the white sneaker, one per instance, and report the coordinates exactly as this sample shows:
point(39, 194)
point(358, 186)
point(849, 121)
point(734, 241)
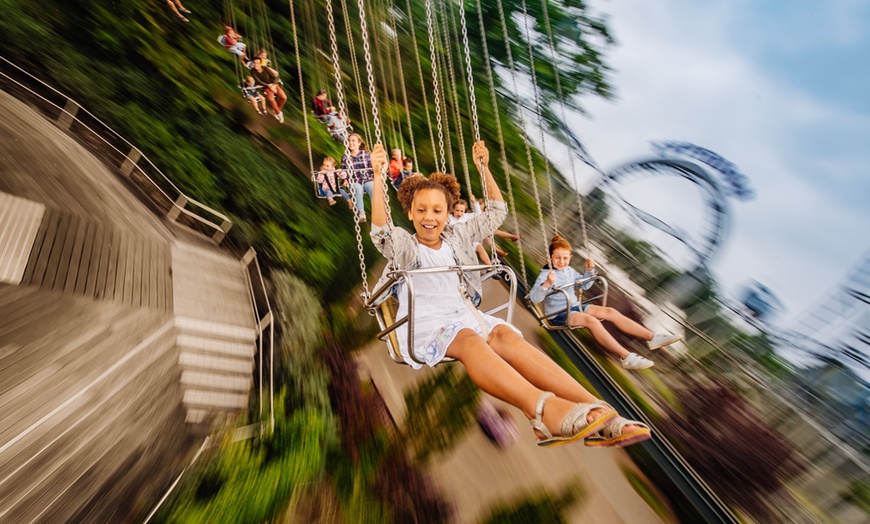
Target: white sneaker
point(280, 116)
point(661, 340)
point(635, 361)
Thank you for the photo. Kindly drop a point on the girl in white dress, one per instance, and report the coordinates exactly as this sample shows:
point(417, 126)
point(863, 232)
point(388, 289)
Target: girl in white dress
point(503, 364)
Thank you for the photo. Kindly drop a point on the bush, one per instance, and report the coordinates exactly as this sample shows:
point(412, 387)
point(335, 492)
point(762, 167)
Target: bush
point(743, 458)
point(543, 507)
point(249, 482)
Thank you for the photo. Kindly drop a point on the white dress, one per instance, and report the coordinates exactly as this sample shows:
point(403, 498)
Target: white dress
point(440, 312)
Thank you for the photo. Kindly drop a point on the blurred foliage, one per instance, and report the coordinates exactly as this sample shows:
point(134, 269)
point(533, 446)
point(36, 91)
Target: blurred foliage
point(251, 482)
point(647, 492)
point(541, 507)
point(741, 456)
point(858, 494)
point(552, 349)
point(299, 321)
point(440, 410)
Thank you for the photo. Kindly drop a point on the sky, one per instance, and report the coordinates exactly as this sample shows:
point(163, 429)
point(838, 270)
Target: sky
point(781, 89)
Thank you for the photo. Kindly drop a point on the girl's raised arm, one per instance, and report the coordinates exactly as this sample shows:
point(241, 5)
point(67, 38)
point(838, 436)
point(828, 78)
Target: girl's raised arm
point(480, 154)
point(379, 206)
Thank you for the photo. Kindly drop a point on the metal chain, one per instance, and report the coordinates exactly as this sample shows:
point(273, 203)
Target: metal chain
point(371, 12)
point(472, 108)
point(457, 115)
point(539, 111)
point(376, 123)
point(336, 68)
point(564, 117)
point(301, 89)
point(442, 72)
point(502, 150)
point(402, 84)
point(359, 92)
point(422, 82)
point(523, 133)
point(435, 87)
point(393, 94)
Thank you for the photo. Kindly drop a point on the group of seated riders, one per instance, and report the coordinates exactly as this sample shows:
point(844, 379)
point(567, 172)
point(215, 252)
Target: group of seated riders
point(263, 83)
point(445, 233)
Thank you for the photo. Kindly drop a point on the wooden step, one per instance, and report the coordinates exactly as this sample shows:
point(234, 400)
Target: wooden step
point(210, 285)
point(216, 382)
point(195, 344)
point(196, 361)
point(198, 327)
point(214, 400)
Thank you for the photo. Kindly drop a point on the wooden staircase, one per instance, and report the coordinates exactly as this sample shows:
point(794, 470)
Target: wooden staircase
point(216, 336)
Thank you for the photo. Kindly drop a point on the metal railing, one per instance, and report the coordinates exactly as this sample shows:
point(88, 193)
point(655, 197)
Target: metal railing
point(130, 162)
point(264, 319)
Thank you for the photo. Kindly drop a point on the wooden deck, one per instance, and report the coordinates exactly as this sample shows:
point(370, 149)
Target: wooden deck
point(41, 163)
point(83, 257)
point(93, 400)
point(87, 389)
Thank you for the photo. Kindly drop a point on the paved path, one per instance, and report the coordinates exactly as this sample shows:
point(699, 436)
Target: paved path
point(476, 475)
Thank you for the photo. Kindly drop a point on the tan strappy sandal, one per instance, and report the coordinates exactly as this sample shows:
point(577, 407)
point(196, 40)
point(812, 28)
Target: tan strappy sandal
point(611, 434)
point(574, 425)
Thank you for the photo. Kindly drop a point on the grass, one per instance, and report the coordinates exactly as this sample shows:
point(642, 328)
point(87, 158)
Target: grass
point(647, 493)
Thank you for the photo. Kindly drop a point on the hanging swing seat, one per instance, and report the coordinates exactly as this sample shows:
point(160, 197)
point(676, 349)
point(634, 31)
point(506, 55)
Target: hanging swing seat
point(318, 190)
point(575, 287)
point(384, 303)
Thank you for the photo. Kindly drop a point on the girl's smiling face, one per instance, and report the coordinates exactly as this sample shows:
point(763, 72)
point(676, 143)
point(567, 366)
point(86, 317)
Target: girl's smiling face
point(429, 215)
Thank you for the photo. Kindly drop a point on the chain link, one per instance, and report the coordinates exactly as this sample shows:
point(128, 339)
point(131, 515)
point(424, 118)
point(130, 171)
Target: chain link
point(422, 82)
point(445, 99)
point(457, 115)
point(376, 123)
point(402, 85)
point(302, 90)
point(472, 106)
point(359, 92)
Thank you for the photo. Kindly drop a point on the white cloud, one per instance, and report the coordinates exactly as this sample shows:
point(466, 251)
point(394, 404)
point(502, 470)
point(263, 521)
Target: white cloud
point(678, 77)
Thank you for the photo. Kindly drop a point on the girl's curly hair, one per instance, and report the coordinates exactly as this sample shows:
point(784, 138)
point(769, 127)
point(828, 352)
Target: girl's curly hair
point(441, 181)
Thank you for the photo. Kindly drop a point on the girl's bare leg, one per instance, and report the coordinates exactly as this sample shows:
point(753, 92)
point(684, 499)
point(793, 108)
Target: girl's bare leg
point(622, 322)
point(495, 376)
point(535, 366)
point(601, 335)
point(540, 370)
point(174, 9)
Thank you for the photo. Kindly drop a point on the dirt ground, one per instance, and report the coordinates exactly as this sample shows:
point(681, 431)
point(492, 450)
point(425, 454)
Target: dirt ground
point(476, 475)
